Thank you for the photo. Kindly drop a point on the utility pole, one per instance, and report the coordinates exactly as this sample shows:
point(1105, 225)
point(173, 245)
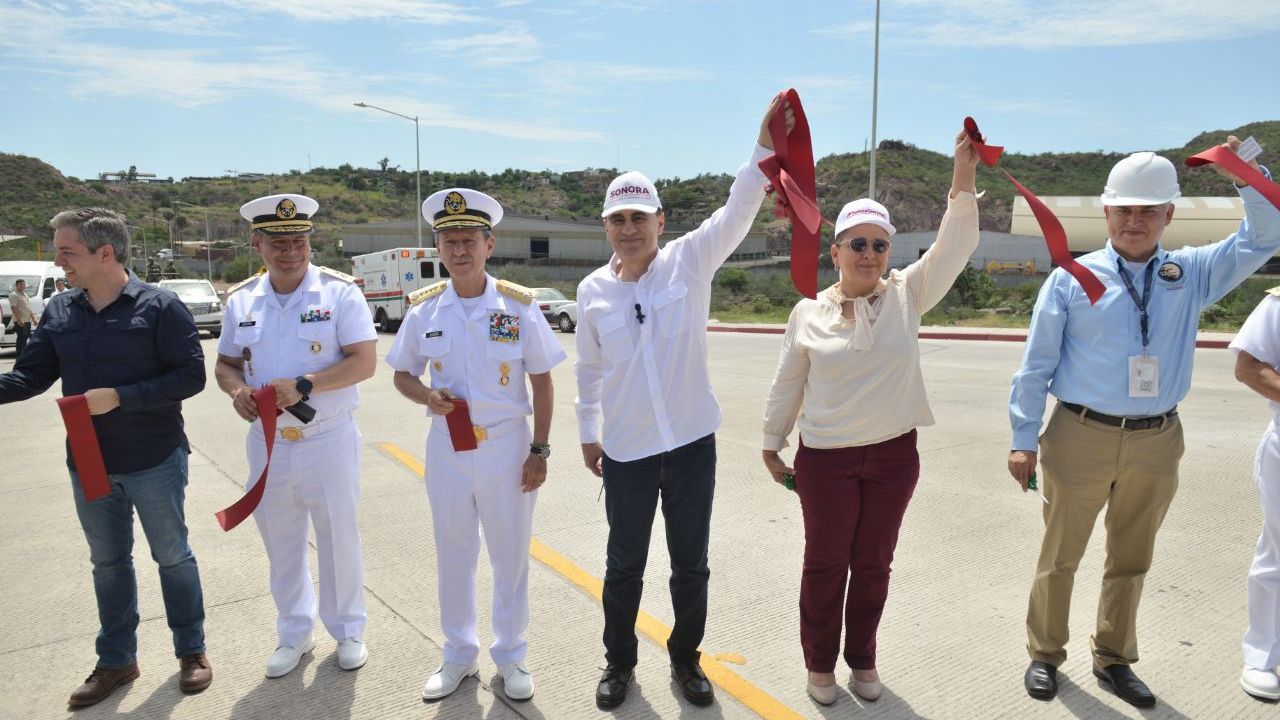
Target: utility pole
point(875, 98)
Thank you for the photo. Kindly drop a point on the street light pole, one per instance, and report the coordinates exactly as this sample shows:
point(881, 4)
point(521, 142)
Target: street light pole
point(875, 97)
point(417, 149)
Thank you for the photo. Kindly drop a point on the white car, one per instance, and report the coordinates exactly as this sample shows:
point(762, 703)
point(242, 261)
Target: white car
point(566, 317)
point(201, 299)
point(549, 300)
point(40, 277)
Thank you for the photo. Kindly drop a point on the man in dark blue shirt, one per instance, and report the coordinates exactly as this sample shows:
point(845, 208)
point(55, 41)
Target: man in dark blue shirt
point(134, 352)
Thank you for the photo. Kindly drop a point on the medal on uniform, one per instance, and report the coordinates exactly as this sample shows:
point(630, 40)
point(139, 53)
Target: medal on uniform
point(315, 347)
point(437, 365)
point(505, 369)
point(248, 359)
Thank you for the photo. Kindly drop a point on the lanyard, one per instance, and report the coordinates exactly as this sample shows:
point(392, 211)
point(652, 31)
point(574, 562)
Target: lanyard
point(1146, 295)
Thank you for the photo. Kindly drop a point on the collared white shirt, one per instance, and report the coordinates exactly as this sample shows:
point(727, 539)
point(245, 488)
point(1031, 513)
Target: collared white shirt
point(481, 356)
point(1260, 337)
point(648, 381)
point(307, 335)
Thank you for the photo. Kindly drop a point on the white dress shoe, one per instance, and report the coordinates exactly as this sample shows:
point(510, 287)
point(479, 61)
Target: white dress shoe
point(285, 658)
point(868, 689)
point(517, 683)
point(446, 679)
point(352, 653)
point(1260, 683)
point(822, 694)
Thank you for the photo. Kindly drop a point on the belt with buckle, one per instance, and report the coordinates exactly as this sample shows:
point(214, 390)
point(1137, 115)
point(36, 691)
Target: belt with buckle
point(1124, 423)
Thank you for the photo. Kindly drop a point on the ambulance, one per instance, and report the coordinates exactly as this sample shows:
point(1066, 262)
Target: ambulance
point(388, 276)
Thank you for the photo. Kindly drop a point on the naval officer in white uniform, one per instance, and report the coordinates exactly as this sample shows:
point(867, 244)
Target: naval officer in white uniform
point(306, 330)
point(480, 337)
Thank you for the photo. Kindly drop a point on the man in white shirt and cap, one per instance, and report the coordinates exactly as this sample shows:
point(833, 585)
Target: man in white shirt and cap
point(642, 374)
point(306, 331)
point(479, 337)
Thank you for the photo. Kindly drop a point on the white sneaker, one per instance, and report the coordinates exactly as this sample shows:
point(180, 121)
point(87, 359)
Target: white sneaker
point(517, 683)
point(285, 658)
point(446, 679)
point(1260, 683)
point(352, 653)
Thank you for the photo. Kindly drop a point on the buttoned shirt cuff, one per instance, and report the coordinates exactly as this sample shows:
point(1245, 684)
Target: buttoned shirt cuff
point(130, 396)
point(759, 153)
point(1242, 189)
point(773, 442)
point(1026, 440)
point(588, 433)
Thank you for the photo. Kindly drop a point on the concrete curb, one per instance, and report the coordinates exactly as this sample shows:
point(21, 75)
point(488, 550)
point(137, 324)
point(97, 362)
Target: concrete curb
point(976, 334)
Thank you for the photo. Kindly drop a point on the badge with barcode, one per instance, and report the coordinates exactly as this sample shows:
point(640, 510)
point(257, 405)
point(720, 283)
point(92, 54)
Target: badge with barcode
point(1144, 376)
point(1249, 149)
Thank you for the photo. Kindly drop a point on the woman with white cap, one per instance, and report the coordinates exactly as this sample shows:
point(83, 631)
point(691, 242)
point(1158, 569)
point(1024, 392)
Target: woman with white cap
point(849, 376)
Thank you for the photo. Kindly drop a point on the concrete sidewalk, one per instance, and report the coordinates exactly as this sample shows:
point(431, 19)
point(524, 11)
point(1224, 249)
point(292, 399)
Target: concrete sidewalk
point(1204, 340)
point(951, 642)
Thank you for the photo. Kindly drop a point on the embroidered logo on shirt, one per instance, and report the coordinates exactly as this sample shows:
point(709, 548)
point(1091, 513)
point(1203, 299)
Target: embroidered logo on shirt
point(504, 328)
point(1170, 272)
point(311, 316)
point(434, 333)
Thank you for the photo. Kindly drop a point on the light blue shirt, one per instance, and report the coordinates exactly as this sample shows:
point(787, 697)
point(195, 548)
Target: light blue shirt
point(1080, 353)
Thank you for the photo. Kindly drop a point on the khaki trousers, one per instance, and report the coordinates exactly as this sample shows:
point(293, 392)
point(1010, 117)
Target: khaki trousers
point(1086, 465)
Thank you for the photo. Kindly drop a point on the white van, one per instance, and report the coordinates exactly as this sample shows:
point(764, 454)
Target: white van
point(40, 277)
point(388, 276)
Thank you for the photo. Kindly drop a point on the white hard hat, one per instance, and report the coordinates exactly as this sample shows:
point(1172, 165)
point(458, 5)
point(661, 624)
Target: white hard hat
point(1143, 178)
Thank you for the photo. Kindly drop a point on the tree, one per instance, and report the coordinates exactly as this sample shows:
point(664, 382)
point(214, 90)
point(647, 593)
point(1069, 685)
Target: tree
point(132, 175)
point(383, 163)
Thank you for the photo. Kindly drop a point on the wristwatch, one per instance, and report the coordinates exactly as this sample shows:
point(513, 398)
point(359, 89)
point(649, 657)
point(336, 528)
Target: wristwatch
point(543, 450)
point(304, 386)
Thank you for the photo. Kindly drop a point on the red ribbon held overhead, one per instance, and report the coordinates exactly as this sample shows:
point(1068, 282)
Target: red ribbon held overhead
point(85, 450)
point(1055, 238)
point(1226, 158)
point(265, 399)
point(791, 179)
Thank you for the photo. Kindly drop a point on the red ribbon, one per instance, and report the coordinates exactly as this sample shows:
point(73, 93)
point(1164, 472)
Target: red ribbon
point(1227, 159)
point(1055, 238)
point(84, 446)
point(791, 179)
point(265, 399)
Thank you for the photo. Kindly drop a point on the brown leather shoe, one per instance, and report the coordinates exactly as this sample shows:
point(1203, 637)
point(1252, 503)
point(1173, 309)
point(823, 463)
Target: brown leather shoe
point(196, 673)
point(101, 683)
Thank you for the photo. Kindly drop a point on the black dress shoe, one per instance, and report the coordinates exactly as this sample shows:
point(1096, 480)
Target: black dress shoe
point(1126, 685)
point(612, 689)
point(1041, 680)
point(693, 683)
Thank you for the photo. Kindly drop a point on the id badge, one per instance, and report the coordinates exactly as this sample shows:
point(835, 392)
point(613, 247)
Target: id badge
point(1144, 376)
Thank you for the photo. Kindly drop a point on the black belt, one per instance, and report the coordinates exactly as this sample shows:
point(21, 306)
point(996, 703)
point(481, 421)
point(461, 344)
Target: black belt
point(1124, 423)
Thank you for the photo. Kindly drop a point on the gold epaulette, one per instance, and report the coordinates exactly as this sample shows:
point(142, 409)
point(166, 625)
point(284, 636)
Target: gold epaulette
point(246, 281)
point(427, 292)
point(516, 292)
point(339, 275)
point(1274, 291)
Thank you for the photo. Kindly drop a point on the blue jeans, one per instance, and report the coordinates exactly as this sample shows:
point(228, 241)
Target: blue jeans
point(158, 494)
point(685, 479)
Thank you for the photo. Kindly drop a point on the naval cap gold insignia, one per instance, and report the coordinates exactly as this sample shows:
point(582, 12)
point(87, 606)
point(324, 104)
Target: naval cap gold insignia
point(455, 203)
point(286, 209)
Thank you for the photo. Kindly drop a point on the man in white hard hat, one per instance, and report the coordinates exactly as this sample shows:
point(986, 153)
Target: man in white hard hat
point(1118, 369)
point(476, 339)
point(642, 375)
point(305, 330)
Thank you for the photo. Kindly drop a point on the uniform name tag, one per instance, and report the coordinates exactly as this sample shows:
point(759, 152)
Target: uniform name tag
point(311, 316)
point(1144, 376)
point(504, 328)
point(247, 323)
point(434, 333)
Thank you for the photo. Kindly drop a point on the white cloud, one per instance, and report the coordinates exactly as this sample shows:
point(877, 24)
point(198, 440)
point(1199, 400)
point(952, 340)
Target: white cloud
point(505, 46)
point(431, 13)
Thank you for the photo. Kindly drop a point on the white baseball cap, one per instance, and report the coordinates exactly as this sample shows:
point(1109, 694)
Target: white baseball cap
point(1143, 178)
point(864, 211)
point(631, 191)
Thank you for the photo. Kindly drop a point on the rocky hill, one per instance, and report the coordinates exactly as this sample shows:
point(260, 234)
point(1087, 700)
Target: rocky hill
point(912, 182)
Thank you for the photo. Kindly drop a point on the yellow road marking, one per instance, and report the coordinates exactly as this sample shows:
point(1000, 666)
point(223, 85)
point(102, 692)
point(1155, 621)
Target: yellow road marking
point(756, 700)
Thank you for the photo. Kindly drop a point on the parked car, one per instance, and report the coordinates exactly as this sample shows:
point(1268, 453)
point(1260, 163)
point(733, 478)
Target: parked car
point(202, 300)
point(566, 317)
point(550, 300)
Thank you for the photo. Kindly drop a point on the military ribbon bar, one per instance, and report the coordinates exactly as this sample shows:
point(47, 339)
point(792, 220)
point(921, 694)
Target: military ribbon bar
point(265, 399)
point(85, 450)
point(1055, 238)
point(1225, 158)
point(794, 185)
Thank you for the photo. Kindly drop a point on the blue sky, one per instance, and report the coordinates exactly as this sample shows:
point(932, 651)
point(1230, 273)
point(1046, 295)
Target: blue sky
point(669, 87)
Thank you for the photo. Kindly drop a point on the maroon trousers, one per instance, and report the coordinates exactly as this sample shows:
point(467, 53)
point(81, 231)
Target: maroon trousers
point(853, 501)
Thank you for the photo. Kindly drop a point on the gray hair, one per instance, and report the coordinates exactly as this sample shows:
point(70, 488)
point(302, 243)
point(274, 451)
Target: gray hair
point(97, 227)
point(488, 234)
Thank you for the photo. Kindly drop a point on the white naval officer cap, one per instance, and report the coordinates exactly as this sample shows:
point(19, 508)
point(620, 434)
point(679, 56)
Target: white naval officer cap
point(285, 214)
point(461, 208)
point(864, 211)
point(631, 191)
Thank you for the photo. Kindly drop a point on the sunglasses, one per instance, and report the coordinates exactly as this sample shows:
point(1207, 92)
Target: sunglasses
point(859, 245)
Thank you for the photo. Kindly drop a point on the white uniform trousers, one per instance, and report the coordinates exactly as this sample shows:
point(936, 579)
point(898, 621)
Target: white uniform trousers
point(1262, 639)
point(317, 477)
point(469, 491)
